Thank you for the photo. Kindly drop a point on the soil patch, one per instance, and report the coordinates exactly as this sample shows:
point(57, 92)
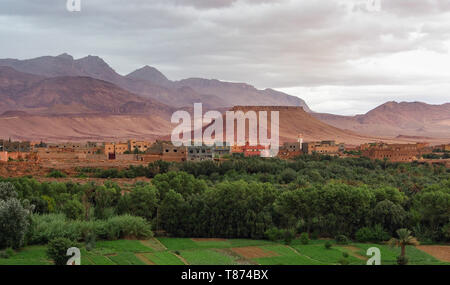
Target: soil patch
point(354, 251)
point(253, 252)
point(238, 258)
point(144, 259)
point(441, 252)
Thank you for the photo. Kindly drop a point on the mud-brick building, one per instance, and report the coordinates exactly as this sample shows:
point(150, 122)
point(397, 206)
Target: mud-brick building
point(395, 152)
point(322, 147)
point(15, 146)
point(199, 153)
point(115, 148)
point(142, 146)
point(167, 151)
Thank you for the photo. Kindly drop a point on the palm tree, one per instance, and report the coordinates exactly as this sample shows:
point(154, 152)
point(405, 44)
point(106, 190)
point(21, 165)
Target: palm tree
point(404, 238)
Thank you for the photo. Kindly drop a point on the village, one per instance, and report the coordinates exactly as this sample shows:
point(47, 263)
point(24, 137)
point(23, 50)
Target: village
point(22, 157)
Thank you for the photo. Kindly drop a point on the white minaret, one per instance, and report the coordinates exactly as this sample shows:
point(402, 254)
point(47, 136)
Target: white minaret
point(300, 140)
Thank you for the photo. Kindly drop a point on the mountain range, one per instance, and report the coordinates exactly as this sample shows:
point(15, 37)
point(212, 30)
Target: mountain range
point(62, 98)
point(397, 119)
point(148, 82)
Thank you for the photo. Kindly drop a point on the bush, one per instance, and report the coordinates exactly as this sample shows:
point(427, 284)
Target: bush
point(304, 239)
point(402, 260)
point(345, 254)
point(7, 191)
point(56, 174)
point(123, 226)
point(288, 175)
point(374, 234)
point(90, 241)
point(314, 235)
point(343, 261)
point(7, 253)
point(288, 236)
point(273, 234)
point(73, 209)
point(14, 223)
point(341, 239)
point(51, 226)
point(57, 250)
point(328, 245)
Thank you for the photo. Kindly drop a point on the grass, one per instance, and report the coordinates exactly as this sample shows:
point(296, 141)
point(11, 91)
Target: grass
point(31, 255)
point(187, 243)
point(218, 252)
point(126, 258)
point(248, 242)
point(328, 256)
point(124, 245)
point(207, 257)
point(285, 256)
point(163, 258)
point(389, 254)
point(178, 243)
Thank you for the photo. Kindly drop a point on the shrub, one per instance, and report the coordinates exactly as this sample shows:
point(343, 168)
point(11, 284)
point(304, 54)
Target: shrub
point(288, 236)
point(57, 250)
point(273, 234)
point(56, 174)
point(341, 239)
point(7, 253)
point(374, 234)
point(51, 226)
point(328, 245)
point(314, 235)
point(343, 261)
point(345, 254)
point(402, 260)
point(288, 175)
point(14, 223)
point(90, 239)
point(73, 209)
point(7, 191)
point(123, 226)
point(304, 239)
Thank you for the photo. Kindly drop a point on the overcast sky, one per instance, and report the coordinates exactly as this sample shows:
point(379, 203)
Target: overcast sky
point(339, 56)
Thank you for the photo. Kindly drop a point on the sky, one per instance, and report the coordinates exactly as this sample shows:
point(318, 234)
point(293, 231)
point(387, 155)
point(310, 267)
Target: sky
point(340, 56)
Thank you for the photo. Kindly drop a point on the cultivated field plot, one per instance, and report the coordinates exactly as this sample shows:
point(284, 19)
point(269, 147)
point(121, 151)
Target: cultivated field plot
point(187, 251)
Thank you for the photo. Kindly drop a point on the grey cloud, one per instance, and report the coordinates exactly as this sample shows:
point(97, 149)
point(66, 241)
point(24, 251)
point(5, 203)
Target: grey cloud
point(279, 44)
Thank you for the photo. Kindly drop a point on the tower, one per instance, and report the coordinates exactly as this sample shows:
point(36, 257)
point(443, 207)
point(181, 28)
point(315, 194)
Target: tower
point(300, 140)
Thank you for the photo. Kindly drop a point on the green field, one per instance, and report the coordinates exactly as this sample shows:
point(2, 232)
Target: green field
point(180, 251)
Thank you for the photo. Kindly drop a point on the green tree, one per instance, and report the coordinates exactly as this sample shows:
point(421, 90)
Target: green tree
point(57, 250)
point(143, 201)
point(14, 223)
point(73, 209)
point(388, 214)
point(14, 217)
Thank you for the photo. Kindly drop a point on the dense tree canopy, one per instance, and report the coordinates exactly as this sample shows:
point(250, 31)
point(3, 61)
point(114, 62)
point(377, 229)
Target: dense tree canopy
point(247, 197)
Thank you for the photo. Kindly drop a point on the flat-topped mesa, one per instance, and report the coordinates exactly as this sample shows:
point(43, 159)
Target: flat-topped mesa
point(267, 108)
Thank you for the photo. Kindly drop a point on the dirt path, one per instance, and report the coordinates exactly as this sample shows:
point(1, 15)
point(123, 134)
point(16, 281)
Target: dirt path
point(354, 251)
point(441, 252)
point(144, 259)
point(181, 258)
point(298, 253)
point(154, 243)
